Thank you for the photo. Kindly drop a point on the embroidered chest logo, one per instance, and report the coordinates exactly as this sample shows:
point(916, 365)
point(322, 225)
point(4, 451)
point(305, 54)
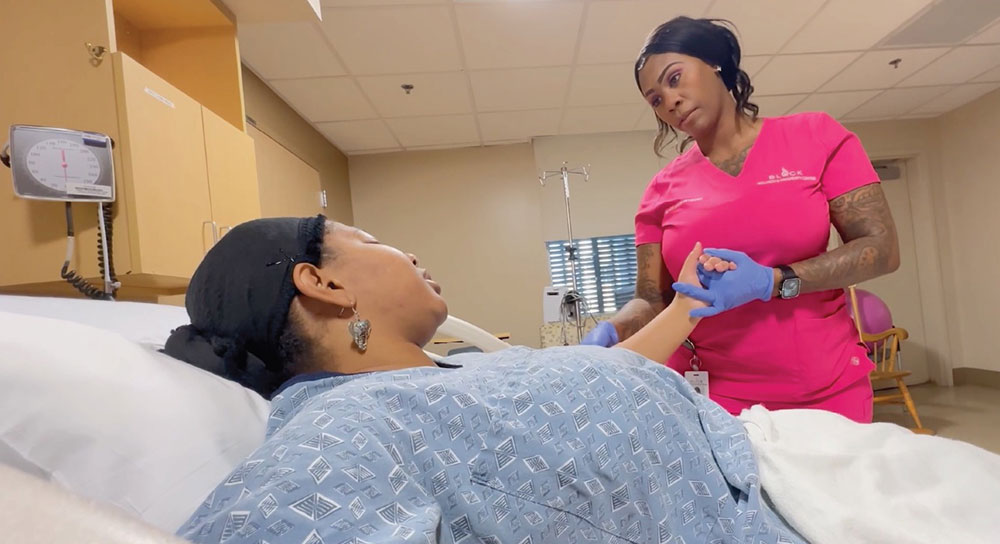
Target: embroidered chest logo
point(786, 175)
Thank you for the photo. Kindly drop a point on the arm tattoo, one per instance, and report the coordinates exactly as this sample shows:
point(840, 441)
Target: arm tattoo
point(734, 165)
point(653, 291)
point(870, 248)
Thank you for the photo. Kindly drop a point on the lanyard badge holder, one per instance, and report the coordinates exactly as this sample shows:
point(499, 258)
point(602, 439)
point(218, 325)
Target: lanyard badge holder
point(696, 377)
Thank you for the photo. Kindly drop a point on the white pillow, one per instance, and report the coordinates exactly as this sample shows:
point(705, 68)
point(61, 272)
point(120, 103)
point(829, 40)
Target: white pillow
point(147, 324)
point(118, 422)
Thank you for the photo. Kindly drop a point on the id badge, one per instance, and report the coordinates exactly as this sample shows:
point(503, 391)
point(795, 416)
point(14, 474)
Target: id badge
point(698, 380)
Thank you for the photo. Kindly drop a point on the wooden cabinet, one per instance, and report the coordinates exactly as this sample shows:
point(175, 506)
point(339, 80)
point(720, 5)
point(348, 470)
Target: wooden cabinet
point(232, 173)
point(164, 172)
point(288, 186)
point(169, 92)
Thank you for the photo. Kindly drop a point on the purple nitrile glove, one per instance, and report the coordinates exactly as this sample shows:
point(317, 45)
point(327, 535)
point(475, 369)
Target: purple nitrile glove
point(732, 288)
point(604, 334)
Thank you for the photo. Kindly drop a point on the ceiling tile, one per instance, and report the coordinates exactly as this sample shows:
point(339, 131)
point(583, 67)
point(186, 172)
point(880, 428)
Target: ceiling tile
point(896, 102)
point(518, 125)
point(992, 75)
point(776, 106)
point(436, 147)
point(393, 40)
point(274, 50)
point(603, 84)
point(325, 98)
point(872, 70)
point(836, 104)
point(432, 94)
point(600, 119)
point(958, 66)
point(849, 25)
point(521, 89)
point(755, 21)
point(377, 151)
point(959, 96)
point(752, 65)
point(789, 74)
point(509, 35)
point(366, 3)
point(615, 30)
point(435, 130)
point(352, 136)
point(990, 35)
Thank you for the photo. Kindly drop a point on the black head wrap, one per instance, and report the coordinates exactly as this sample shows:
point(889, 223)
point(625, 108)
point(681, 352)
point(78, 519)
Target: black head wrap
point(239, 297)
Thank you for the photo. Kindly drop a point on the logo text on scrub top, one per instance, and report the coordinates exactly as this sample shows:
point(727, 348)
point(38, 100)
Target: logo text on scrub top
point(786, 175)
point(682, 202)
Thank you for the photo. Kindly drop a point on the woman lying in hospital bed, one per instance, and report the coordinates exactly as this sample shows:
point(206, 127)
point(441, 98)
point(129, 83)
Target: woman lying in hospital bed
point(369, 440)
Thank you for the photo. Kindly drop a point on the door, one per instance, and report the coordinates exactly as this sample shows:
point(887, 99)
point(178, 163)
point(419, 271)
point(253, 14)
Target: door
point(288, 186)
point(232, 173)
point(901, 289)
point(165, 176)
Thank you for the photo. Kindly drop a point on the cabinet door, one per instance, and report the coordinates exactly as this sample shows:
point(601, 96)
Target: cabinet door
point(232, 173)
point(288, 186)
point(165, 175)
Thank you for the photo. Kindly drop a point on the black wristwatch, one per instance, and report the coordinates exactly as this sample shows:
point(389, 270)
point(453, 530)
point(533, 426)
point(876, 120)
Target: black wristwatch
point(790, 283)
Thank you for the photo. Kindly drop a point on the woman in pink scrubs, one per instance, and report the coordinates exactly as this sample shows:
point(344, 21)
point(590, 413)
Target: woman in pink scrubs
point(768, 189)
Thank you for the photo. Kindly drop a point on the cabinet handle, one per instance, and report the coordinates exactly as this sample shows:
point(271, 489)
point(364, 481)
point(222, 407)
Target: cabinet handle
point(222, 230)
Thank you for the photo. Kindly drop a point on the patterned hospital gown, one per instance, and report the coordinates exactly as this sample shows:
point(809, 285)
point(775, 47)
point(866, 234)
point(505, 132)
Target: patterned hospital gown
point(521, 446)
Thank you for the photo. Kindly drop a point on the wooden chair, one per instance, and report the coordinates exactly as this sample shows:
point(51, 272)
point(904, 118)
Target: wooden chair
point(884, 350)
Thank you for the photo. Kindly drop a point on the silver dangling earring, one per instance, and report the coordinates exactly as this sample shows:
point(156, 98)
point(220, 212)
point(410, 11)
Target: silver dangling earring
point(360, 330)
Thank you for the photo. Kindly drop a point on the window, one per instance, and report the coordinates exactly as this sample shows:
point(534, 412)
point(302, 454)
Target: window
point(605, 270)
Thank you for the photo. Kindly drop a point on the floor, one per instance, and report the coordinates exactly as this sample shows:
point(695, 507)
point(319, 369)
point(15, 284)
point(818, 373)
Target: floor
point(970, 413)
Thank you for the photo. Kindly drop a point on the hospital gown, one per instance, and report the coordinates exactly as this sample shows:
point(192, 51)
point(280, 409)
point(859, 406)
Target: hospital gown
point(521, 446)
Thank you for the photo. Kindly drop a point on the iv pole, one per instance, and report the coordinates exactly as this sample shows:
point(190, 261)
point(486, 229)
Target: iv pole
point(573, 296)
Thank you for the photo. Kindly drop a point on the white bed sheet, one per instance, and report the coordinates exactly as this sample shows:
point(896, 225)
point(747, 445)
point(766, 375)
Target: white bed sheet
point(836, 481)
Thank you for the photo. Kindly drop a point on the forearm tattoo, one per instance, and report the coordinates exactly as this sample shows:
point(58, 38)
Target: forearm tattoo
point(870, 249)
point(652, 291)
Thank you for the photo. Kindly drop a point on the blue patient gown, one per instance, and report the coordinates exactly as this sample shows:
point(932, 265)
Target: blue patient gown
point(522, 446)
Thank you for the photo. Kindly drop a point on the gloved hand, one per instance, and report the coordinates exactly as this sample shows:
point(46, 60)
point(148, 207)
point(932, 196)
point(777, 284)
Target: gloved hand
point(604, 334)
point(732, 288)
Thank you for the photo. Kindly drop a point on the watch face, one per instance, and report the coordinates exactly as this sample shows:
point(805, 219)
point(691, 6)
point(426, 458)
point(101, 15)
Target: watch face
point(790, 288)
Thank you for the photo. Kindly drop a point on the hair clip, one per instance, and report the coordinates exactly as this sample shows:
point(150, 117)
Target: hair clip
point(285, 258)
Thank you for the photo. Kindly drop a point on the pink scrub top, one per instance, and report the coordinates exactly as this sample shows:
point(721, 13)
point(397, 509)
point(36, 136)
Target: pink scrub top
point(786, 353)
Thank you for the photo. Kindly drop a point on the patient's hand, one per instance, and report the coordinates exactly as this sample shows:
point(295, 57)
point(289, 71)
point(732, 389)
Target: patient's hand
point(690, 275)
point(727, 279)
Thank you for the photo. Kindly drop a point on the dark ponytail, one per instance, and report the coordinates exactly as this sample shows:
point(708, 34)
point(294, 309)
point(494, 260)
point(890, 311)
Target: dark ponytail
point(228, 358)
point(715, 43)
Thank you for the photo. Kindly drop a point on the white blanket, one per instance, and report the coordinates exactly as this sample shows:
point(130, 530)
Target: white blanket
point(836, 481)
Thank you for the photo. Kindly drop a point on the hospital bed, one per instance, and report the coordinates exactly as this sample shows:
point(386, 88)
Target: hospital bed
point(104, 439)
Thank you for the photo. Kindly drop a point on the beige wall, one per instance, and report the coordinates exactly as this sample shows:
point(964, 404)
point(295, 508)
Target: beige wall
point(917, 144)
point(970, 183)
point(949, 173)
point(479, 219)
point(279, 121)
point(472, 216)
point(621, 165)
point(954, 192)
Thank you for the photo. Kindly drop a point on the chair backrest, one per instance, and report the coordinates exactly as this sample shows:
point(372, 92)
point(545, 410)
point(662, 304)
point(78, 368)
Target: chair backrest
point(883, 347)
